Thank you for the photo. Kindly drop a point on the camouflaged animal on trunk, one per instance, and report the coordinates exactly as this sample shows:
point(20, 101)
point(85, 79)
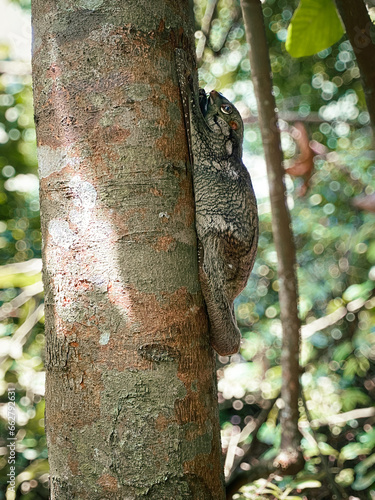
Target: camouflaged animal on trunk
point(226, 209)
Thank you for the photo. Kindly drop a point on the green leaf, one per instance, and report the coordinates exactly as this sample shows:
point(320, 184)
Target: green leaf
point(363, 466)
point(363, 483)
point(349, 371)
point(342, 351)
point(360, 291)
point(352, 397)
point(326, 449)
point(308, 484)
point(352, 450)
point(270, 492)
point(315, 26)
point(345, 477)
point(273, 487)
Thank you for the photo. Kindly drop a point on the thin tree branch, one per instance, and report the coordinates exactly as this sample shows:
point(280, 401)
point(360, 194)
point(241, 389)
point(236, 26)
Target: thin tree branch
point(344, 417)
point(205, 28)
point(360, 31)
point(290, 453)
point(9, 308)
point(32, 266)
point(332, 318)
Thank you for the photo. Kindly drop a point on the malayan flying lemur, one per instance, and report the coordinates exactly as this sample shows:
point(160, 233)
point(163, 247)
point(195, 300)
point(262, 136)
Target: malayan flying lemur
point(225, 204)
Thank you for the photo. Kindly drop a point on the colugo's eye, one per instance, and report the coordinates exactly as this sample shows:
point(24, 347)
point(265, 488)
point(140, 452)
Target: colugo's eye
point(226, 109)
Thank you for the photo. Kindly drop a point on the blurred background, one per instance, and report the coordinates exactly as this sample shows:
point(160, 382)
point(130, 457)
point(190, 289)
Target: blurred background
point(330, 179)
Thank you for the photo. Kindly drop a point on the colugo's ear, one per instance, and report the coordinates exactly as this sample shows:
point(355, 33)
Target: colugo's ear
point(233, 125)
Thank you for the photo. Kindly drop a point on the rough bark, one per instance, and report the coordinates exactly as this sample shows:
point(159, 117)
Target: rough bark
point(131, 404)
point(361, 34)
point(282, 232)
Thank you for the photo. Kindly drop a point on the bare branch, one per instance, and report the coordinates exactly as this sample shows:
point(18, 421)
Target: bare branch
point(342, 418)
point(8, 308)
point(332, 318)
point(32, 266)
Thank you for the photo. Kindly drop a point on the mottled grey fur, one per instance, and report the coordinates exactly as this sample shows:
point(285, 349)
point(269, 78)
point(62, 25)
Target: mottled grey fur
point(226, 210)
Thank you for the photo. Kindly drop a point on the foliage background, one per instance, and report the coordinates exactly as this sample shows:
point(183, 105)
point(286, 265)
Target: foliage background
point(336, 256)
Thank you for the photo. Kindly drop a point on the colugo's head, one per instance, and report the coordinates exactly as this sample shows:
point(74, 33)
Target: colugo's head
point(222, 117)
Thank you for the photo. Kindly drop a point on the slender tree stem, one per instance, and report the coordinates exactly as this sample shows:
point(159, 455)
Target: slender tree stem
point(360, 32)
point(282, 232)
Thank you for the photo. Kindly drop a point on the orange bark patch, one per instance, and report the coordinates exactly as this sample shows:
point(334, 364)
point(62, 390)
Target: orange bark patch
point(184, 205)
point(114, 134)
point(73, 465)
point(82, 384)
point(108, 482)
point(162, 423)
point(167, 142)
point(163, 313)
point(154, 330)
point(164, 243)
point(53, 71)
point(156, 192)
point(174, 135)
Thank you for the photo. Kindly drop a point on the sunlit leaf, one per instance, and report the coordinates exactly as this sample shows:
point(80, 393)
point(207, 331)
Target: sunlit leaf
point(307, 484)
point(271, 492)
point(19, 280)
point(273, 487)
point(326, 449)
point(352, 397)
point(371, 252)
point(315, 26)
point(352, 450)
point(350, 370)
point(361, 290)
point(345, 477)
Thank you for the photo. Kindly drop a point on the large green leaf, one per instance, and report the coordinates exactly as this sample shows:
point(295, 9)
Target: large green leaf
point(315, 26)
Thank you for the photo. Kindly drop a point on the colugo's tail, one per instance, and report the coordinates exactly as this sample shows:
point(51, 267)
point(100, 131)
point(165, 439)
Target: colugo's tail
point(225, 336)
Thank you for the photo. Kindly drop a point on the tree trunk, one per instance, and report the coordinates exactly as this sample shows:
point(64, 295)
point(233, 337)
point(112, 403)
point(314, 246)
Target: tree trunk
point(290, 458)
point(131, 404)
